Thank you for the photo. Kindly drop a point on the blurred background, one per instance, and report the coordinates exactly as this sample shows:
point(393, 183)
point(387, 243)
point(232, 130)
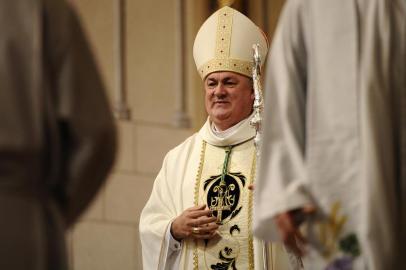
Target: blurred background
point(144, 50)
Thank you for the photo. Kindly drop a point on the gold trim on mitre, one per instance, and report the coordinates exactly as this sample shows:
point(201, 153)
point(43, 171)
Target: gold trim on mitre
point(224, 43)
point(239, 66)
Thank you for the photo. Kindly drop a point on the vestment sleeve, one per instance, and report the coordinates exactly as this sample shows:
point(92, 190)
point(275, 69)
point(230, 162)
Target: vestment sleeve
point(174, 251)
point(280, 185)
point(155, 221)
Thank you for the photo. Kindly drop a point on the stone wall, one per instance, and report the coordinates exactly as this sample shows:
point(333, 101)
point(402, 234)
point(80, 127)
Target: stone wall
point(106, 237)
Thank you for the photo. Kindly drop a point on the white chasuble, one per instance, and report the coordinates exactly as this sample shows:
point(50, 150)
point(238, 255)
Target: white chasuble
point(222, 184)
point(200, 171)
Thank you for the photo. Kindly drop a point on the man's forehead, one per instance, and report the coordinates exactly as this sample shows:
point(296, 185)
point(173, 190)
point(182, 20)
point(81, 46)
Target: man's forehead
point(221, 75)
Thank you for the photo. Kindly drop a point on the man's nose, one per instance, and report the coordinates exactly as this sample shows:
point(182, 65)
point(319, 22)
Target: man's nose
point(220, 90)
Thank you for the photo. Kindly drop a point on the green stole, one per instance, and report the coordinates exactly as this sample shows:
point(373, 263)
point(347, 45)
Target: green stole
point(222, 181)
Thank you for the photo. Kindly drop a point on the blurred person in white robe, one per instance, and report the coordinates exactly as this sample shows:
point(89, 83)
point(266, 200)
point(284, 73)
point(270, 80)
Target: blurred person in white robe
point(334, 149)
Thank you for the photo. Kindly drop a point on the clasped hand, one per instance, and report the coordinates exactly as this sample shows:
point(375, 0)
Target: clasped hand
point(195, 222)
point(288, 224)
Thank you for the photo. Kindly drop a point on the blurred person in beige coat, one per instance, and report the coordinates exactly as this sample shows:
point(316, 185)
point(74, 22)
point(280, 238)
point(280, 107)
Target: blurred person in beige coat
point(57, 135)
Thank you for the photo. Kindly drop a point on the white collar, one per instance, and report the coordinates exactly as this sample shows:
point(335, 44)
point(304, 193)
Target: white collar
point(240, 132)
point(227, 132)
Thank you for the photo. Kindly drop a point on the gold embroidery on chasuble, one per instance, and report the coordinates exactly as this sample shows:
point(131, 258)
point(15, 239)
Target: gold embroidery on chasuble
point(222, 184)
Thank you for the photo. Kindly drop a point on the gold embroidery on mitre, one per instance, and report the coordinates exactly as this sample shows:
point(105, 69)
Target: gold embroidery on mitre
point(223, 34)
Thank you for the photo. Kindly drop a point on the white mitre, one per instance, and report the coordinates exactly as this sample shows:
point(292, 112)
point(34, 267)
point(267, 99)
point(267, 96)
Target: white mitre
point(224, 43)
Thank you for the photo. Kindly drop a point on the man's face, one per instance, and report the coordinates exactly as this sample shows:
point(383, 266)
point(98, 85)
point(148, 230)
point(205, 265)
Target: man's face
point(228, 98)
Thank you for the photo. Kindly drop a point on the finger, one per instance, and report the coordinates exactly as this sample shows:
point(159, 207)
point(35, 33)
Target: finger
point(210, 228)
point(204, 236)
point(293, 246)
point(200, 213)
point(287, 231)
point(200, 221)
point(301, 245)
point(295, 241)
point(203, 222)
point(196, 207)
point(206, 220)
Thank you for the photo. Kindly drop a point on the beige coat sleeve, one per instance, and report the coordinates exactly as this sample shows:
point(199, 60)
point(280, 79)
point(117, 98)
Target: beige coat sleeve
point(77, 100)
